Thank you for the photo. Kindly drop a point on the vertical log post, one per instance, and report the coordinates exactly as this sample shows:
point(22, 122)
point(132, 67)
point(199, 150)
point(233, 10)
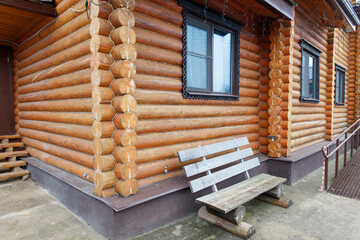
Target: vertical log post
point(275, 91)
point(123, 87)
point(100, 47)
point(330, 85)
point(357, 82)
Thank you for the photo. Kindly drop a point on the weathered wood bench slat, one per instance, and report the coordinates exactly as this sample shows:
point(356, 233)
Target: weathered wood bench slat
point(199, 167)
point(211, 179)
point(202, 151)
point(232, 197)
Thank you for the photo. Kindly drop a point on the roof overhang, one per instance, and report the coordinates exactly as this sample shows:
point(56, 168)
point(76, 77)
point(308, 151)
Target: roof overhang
point(282, 7)
point(348, 15)
point(34, 7)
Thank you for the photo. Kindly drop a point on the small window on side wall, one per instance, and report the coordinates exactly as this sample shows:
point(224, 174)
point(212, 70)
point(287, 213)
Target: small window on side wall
point(339, 85)
point(211, 54)
point(310, 72)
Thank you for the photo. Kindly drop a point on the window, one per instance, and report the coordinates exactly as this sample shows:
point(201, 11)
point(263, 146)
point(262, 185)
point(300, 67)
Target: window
point(310, 71)
point(211, 55)
point(339, 85)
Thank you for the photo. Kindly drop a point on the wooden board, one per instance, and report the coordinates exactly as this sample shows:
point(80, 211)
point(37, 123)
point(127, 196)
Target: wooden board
point(199, 167)
point(202, 151)
point(9, 136)
point(14, 144)
point(211, 179)
point(4, 155)
point(9, 175)
point(6, 165)
point(232, 197)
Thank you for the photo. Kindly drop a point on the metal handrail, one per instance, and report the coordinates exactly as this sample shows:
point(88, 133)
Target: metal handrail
point(325, 150)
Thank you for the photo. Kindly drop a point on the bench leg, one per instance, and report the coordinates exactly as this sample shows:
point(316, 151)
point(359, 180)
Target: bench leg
point(243, 230)
point(235, 216)
point(277, 192)
point(282, 202)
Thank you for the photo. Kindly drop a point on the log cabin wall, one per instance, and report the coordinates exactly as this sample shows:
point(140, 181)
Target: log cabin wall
point(352, 78)
point(169, 123)
point(357, 84)
point(308, 119)
point(338, 54)
point(63, 109)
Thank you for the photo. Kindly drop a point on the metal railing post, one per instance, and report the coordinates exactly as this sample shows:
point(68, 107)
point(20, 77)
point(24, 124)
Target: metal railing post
point(337, 159)
point(345, 149)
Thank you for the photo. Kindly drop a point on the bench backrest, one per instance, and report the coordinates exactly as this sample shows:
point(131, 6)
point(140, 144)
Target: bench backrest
point(206, 165)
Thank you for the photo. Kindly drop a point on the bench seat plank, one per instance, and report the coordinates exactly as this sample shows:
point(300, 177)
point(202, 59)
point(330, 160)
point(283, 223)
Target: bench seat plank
point(203, 166)
point(202, 151)
point(232, 197)
point(211, 179)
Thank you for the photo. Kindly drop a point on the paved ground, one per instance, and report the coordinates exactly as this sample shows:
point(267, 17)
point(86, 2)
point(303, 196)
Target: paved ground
point(28, 212)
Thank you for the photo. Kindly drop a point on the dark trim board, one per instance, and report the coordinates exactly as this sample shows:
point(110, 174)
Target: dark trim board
point(120, 218)
point(39, 8)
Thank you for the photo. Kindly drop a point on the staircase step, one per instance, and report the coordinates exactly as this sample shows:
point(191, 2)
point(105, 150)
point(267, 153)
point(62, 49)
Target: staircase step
point(9, 136)
point(4, 155)
point(6, 165)
point(14, 144)
point(9, 175)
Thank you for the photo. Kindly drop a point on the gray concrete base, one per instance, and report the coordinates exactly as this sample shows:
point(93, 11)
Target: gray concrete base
point(154, 205)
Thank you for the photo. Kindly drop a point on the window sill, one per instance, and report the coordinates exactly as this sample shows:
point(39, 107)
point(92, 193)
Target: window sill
point(210, 96)
point(339, 104)
point(309, 100)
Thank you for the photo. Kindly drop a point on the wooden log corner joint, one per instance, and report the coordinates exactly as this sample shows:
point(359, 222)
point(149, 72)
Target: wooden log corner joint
point(224, 207)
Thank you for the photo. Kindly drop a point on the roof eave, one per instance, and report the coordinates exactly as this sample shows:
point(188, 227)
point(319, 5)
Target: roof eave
point(350, 18)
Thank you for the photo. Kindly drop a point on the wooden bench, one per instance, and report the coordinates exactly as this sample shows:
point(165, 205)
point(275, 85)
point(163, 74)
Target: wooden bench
point(224, 207)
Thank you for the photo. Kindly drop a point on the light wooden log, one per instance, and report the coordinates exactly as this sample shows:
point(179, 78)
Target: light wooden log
point(101, 44)
point(158, 54)
point(122, 17)
point(123, 69)
point(125, 137)
point(166, 125)
point(102, 129)
point(124, 104)
point(183, 111)
point(83, 159)
point(101, 78)
point(104, 163)
point(10, 175)
point(123, 86)
point(101, 61)
point(66, 80)
point(104, 180)
point(157, 40)
point(235, 216)
point(127, 188)
point(159, 69)
point(282, 202)
point(158, 83)
point(102, 95)
point(99, 26)
point(12, 164)
point(161, 139)
point(158, 178)
point(125, 171)
point(80, 171)
point(130, 4)
point(71, 105)
point(126, 120)
point(123, 34)
point(277, 192)
point(124, 51)
point(242, 230)
point(125, 155)
point(68, 67)
point(102, 112)
point(100, 10)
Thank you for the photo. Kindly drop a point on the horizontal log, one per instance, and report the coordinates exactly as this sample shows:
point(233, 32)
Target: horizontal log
point(282, 202)
point(11, 164)
point(158, 69)
point(127, 188)
point(77, 144)
point(165, 97)
point(170, 4)
point(130, 4)
point(100, 10)
point(307, 117)
point(103, 112)
point(82, 159)
point(123, 69)
point(123, 34)
point(125, 155)
point(307, 132)
point(122, 17)
point(99, 26)
point(101, 61)
point(102, 95)
point(306, 139)
point(101, 78)
point(99, 43)
point(71, 105)
point(66, 80)
point(158, 40)
point(10, 175)
point(169, 138)
point(78, 170)
point(126, 120)
point(158, 178)
point(158, 54)
point(167, 125)
point(125, 171)
point(68, 67)
point(123, 86)
point(157, 25)
point(187, 111)
point(307, 124)
point(164, 152)
point(72, 92)
point(158, 83)
point(124, 51)
point(124, 104)
point(127, 137)
point(104, 163)
point(104, 180)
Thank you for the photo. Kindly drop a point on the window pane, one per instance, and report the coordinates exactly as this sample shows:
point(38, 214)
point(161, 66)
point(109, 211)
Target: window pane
point(197, 40)
point(308, 84)
point(222, 61)
point(197, 71)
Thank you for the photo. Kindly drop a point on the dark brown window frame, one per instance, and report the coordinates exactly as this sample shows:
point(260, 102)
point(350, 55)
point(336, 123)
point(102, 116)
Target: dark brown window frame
point(342, 71)
point(192, 10)
point(314, 52)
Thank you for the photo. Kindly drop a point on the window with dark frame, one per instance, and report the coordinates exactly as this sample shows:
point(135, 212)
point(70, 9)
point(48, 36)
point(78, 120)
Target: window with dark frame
point(310, 72)
point(339, 85)
point(211, 54)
